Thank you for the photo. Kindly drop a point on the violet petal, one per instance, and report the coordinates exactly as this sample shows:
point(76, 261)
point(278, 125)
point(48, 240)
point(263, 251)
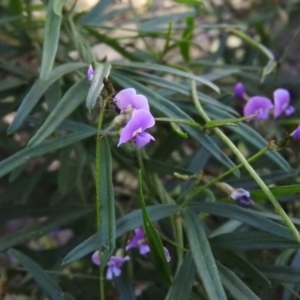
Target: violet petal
point(95, 258)
point(144, 249)
point(128, 98)
point(281, 101)
point(258, 105)
point(239, 90)
point(143, 139)
point(141, 119)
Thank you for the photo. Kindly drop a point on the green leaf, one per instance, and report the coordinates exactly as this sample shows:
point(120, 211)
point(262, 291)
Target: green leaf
point(184, 279)
point(108, 223)
point(36, 92)
point(39, 229)
point(190, 2)
point(234, 285)
point(21, 157)
point(101, 72)
point(280, 273)
point(16, 6)
point(251, 240)
point(203, 257)
point(178, 130)
point(243, 265)
point(153, 239)
point(66, 179)
point(187, 36)
point(243, 215)
point(129, 222)
point(51, 37)
point(96, 12)
point(277, 191)
point(168, 70)
point(46, 283)
point(70, 101)
point(58, 5)
point(113, 43)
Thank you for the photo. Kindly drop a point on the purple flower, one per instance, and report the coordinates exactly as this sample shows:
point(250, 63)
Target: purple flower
point(90, 74)
point(135, 128)
point(282, 103)
point(114, 264)
point(239, 90)
point(138, 241)
point(296, 133)
point(128, 100)
point(241, 196)
point(258, 105)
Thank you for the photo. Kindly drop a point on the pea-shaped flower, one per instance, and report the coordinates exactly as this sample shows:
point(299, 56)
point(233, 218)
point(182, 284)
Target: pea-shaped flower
point(141, 120)
point(282, 103)
point(258, 105)
point(113, 266)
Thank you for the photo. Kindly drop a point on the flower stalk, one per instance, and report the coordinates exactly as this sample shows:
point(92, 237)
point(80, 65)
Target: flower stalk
point(247, 166)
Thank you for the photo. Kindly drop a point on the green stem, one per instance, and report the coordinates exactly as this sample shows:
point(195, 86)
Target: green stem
point(223, 175)
point(247, 166)
point(98, 200)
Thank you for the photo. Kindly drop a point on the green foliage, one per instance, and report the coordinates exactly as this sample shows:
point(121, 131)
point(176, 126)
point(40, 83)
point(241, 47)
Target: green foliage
point(67, 190)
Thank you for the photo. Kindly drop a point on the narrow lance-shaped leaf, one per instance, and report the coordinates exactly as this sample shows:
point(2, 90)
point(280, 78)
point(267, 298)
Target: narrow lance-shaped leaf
point(184, 280)
point(203, 257)
point(235, 286)
point(26, 154)
point(70, 101)
point(51, 37)
point(108, 224)
point(36, 92)
point(101, 71)
point(46, 283)
point(153, 239)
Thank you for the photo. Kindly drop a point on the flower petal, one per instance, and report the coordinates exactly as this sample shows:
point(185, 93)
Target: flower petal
point(129, 98)
point(239, 90)
point(296, 134)
point(116, 270)
point(144, 249)
point(95, 258)
point(167, 254)
point(109, 274)
point(143, 139)
point(137, 237)
point(141, 119)
point(90, 74)
point(258, 105)
point(281, 101)
point(289, 110)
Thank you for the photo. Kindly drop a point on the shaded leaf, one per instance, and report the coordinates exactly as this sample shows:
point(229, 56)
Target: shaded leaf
point(203, 257)
point(36, 92)
point(46, 283)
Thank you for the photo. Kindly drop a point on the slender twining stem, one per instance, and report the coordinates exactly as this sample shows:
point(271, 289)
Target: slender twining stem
point(98, 192)
point(223, 175)
point(247, 166)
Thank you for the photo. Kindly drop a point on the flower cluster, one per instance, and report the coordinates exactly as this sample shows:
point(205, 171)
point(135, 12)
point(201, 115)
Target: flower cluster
point(134, 114)
point(115, 262)
point(262, 106)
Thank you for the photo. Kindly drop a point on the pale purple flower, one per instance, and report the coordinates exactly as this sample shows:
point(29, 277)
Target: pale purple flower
point(113, 266)
point(138, 241)
point(135, 128)
point(282, 103)
point(239, 90)
point(90, 74)
point(296, 133)
point(258, 105)
point(241, 196)
point(128, 99)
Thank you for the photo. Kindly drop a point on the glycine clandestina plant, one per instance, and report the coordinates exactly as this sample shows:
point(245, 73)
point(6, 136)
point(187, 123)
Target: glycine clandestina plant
point(149, 152)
